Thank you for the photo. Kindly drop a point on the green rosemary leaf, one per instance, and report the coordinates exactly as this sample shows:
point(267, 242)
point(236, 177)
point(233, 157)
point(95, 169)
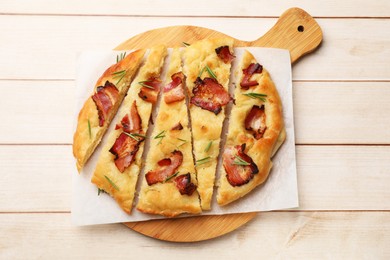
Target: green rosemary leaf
point(186, 44)
point(89, 129)
point(170, 177)
point(120, 57)
point(143, 83)
point(101, 191)
point(208, 146)
point(201, 72)
point(183, 140)
point(160, 135)
point(132, 135)
point(240, 161)
point(202, 161)
point(119, 72)
point(112, 183)
point(256, 95)
point(211, 72)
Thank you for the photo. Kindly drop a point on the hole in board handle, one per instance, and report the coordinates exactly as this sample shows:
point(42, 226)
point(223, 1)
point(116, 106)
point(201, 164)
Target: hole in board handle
point(301, 28)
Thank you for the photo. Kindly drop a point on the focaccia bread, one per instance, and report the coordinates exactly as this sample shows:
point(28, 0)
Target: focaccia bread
point(120, 160)
point(207, 66)
point(256, 130)
point(169, 187)
point(100, 108)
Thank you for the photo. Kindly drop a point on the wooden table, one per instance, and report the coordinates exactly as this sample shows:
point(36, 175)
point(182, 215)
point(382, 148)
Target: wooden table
point(341, 105)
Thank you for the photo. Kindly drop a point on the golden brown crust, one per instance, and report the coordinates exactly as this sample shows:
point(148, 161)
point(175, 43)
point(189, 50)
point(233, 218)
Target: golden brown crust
point(206, 126)
point(88, 132)
point(260, 150)
point(125, 183)
point(165, 198)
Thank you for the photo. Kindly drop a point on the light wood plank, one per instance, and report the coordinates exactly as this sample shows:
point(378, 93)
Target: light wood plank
point(352, 48)
point(352, 112)
point(331, 8)
point(38, 178)
point(302, 235)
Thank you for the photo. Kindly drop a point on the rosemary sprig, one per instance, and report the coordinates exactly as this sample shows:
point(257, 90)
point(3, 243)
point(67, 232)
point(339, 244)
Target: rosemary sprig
point(160, 136)
point(89, 129)
point(101, 191)
point(120, 57)
point(183, 140)
point(134, 136)
point(256, 95)
point(208, 146)
point(170, 177)
point(209, 71)
point(112, 183)
point(186, 44)
point(202, 161)
point(240, 161)
point(119, 75)
point(143, 83)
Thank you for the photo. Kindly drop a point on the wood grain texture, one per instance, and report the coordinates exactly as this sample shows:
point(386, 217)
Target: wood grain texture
point(233, 8)
point(329, 177)
point(271, 235)
point(52, 121)
point(353, 49)
point(295, 31)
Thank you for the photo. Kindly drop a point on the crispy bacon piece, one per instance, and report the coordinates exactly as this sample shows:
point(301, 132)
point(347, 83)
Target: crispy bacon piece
point(224, 54)
point(209, 95)
point(127, 144)
point(132, 124)
point(167, 168)
point(104, 99)
point(150, 93)
point(174, 90)
point(255, 121)
point(184, 184)
point(253, 68)
point(239, 167)
point(177, 127)
point(125, 149)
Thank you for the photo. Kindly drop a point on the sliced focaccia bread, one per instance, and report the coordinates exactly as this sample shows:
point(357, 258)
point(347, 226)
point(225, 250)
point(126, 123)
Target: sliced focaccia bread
point(256, 130)
point(120, 160)
point(170, 185)
point(100, 108)
point(207, 66)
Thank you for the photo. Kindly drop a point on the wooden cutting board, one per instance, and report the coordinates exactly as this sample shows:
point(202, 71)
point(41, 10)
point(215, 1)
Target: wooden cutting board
point(295, 31)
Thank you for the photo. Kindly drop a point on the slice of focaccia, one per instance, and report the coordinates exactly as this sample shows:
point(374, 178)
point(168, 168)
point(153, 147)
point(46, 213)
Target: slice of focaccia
point(207, 66)
point(170, 185)
point(100, 108)
point(256, 130)
point(120, 160)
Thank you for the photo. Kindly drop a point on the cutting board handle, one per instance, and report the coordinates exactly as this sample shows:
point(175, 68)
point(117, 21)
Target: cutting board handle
point(296, 31)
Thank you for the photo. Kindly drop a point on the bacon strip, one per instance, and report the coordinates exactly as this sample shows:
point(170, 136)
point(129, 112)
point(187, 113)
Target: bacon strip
point(126, 147)
point(209, 95)
point(253, 68)
point(132, 124)
point(104, 99)
point(184, 184)
point(177, 127)
point(167, 168)
point(255, 122)
point(174, 90)
point(236, 174)
point(224, 54)
point(150, 93)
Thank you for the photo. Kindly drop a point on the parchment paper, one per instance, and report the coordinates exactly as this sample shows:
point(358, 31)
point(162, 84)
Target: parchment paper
point(280, 191)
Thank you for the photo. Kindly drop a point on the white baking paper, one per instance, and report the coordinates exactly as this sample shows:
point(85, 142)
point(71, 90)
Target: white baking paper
point(280, 191)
